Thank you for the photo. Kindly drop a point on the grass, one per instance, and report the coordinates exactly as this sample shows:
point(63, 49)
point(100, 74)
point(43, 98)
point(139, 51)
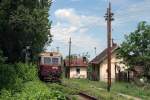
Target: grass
point(98, 89)
point(132, 89)
point(89, 87)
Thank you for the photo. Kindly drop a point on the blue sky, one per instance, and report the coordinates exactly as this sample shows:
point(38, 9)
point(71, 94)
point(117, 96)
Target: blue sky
point(83, 21)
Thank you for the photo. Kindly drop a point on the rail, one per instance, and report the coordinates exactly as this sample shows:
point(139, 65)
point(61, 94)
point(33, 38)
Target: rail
point(86, 96)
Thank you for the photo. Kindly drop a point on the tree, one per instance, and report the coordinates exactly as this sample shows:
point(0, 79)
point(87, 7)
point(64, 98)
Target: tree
point(1, 57)
point(24, 23)
point(135, 50)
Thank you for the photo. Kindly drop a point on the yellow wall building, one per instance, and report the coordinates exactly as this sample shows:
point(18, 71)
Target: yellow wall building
point(99, 65)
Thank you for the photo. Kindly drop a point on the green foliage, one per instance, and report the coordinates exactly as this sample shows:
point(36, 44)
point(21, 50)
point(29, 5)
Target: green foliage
point(34, 90)
point(24, 23)
point(13, 75)
point(99, 89)
point(66, 90)
point(27, 72)
point(135, 50)
point(1, 57)
point(20, 82)
point(92, 88)
point(89, 71)
point(37, 90)
point(8, 76)
point(5, 94)
point(131, 89)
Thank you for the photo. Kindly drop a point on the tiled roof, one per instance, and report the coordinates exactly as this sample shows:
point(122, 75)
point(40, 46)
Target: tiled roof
point(99, 58)
point(78, 62)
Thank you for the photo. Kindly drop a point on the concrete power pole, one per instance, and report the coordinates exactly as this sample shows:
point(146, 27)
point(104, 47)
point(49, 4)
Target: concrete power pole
point(69, 58)
point(108, 18)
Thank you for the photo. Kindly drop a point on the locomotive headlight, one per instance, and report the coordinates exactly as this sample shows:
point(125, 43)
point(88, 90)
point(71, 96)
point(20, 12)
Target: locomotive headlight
point(54, 67)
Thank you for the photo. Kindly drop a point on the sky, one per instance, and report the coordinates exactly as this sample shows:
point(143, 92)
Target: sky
point(84, 22)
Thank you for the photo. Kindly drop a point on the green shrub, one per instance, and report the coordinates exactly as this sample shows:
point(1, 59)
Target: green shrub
point(20, 82)
point(5, 94)
point(8, 76)
point(1, 57)
point(12, 76)
point(27, 72)
point(34, 90)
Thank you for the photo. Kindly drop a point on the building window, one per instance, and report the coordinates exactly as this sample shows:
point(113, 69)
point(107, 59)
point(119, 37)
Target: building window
point(78, 70)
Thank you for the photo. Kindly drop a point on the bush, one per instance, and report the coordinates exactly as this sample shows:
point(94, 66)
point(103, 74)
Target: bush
point(20, 82)
point(12, 76)
point(27, 72)
point(1, 57)
point(5, 94)
point(34, 90)
point(8, 76)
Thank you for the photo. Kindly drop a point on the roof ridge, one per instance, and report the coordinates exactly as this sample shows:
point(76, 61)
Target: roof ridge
point(103, 55)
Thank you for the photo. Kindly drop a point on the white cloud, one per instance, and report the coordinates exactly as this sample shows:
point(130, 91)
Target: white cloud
point(74, 25)
point(70, 16)
point(134, 12)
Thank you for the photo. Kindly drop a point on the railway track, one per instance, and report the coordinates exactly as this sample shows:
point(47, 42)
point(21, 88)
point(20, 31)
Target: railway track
point(80, 95)
point(86, 97)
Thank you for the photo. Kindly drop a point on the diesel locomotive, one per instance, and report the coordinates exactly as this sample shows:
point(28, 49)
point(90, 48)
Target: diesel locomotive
point(50, 66)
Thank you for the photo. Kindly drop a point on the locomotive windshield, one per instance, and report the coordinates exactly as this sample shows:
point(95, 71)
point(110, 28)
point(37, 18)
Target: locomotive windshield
point(55, 60)
point(50, 60)
point(47, 60)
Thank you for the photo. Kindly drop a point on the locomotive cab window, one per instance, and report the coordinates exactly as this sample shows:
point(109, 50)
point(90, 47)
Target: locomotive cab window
point(47, 60)
point(55, 60)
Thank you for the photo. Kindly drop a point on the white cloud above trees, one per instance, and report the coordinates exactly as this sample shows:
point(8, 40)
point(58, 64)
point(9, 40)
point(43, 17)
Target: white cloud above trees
point(71, 24)
point(77, 24)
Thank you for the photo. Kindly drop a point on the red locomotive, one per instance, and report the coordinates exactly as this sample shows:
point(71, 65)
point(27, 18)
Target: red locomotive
point(50, 66)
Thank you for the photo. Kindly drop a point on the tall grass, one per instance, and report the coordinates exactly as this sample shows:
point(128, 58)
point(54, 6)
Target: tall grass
point(100, 88)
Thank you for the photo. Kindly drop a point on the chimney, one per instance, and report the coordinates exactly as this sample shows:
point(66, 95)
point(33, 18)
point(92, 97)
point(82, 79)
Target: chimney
point(84, 59)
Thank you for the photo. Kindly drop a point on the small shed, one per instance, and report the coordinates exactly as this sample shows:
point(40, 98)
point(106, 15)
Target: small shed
point(77, 68)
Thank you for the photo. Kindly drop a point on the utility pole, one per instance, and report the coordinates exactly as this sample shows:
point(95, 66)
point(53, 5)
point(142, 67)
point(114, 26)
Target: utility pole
point(57, 49)
point(69, 57)
point(109, 17)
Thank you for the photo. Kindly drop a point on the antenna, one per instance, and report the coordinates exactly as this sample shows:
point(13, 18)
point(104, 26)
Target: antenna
point(95, 50)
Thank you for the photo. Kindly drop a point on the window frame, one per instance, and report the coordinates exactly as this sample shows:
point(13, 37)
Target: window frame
point(50, 60)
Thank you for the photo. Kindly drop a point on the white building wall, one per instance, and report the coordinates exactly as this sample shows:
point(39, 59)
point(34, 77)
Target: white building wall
point(103, 68)
point(74, 74)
